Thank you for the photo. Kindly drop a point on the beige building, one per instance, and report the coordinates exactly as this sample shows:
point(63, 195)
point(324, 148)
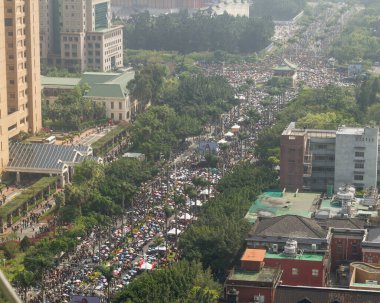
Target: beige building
point(78, 35)
point(108, 89)
point(20, 90)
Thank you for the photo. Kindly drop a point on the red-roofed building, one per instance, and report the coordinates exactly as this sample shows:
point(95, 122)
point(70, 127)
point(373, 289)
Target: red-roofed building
point(252, 281)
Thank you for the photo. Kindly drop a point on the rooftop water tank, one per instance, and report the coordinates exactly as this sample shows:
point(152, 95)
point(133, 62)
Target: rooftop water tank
point(290, 247)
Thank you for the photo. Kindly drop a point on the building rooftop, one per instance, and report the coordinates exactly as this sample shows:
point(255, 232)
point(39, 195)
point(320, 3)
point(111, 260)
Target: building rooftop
point(288, 226)
point(266, 274)
point(292, 294)
point(251, 254)
point(44, 158)
point(350, 131)
point(348, 223)
point(108, 84)
point(273, 204)
point(303, 257)
point(373, 235)
point(59, 82)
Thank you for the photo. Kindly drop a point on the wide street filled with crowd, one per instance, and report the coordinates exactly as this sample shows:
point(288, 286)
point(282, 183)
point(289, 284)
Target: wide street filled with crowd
point(146, 235)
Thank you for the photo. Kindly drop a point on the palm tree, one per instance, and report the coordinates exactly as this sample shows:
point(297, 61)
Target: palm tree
point(25, 280)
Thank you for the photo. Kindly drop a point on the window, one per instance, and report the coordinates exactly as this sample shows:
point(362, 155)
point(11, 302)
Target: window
point(111, 104)
point(112, 115)
point(354, 248)
point(358, 177)
point(359, 154)
point(359, 165)
point(120, 105)
point(339, 248)
point(369, 259)
point(294, 271)
point(8, 22)
point(315, 272)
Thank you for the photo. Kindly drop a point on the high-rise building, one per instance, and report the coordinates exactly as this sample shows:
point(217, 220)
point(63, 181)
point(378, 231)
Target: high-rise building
point(87, 39)
point(161, 4)
point(20, 92)
point(324, 160)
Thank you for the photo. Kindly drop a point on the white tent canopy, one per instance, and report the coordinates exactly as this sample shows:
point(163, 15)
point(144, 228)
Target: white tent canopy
point(229, 134)
point(236, 126)
point(205, 192)
point(222, 141)
point(172, 232)
point(186, 216)
point(193, 203)
point(146, 266)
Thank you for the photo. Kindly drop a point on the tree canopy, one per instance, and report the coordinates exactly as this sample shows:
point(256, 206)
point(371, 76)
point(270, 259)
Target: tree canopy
point(182, 282)
point(216, 239)
point(277, 9)
point(360, 41)
point(72, 111)
point(198, 32)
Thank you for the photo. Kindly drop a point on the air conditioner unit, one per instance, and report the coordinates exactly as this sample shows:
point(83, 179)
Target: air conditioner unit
point(259, 299)
point(314, 246)
point(275, 248)
point(371, 282)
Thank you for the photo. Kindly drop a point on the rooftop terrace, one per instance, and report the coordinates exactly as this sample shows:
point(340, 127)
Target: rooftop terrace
point(273, 204)
point(303, 257)
point(266, 274)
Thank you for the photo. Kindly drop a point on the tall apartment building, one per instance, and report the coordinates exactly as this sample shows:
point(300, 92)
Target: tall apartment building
point(320, 160)
point(20, 92)
point(87, 39)
point(160, 4)
point(49, 32)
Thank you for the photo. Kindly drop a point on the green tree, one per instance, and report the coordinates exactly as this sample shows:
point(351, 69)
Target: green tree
point(25, 280)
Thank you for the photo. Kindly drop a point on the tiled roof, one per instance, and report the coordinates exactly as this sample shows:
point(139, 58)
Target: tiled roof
point(373, 235)
point(251, 254)
point(295, 294)
point(351, 223)
point(59, 81)
point(288, 226)
point(108, 84)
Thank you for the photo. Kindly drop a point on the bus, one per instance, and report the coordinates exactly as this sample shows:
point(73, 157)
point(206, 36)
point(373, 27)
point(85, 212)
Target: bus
point(50, 140)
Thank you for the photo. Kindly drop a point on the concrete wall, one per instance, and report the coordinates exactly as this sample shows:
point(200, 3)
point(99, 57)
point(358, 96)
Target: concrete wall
point(304, 276)
point(247, 291)
point(347, 150)
point(292, 161)
point(342, 251)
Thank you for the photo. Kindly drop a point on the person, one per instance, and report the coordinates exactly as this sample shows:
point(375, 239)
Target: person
point(84, 300)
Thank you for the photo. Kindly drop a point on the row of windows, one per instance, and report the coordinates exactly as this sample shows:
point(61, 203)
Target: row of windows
point(116, 33)
point(118, 41)
point(359, 165)
point(314, 272)
point(323, 169)
point(324, 157)
point(76, 39)
point(120, 105)
point(359, 154)
point(364, 139)
point(120, 116)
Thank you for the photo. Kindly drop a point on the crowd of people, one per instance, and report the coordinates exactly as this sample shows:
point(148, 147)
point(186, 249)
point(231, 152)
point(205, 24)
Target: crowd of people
point(146, 236)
